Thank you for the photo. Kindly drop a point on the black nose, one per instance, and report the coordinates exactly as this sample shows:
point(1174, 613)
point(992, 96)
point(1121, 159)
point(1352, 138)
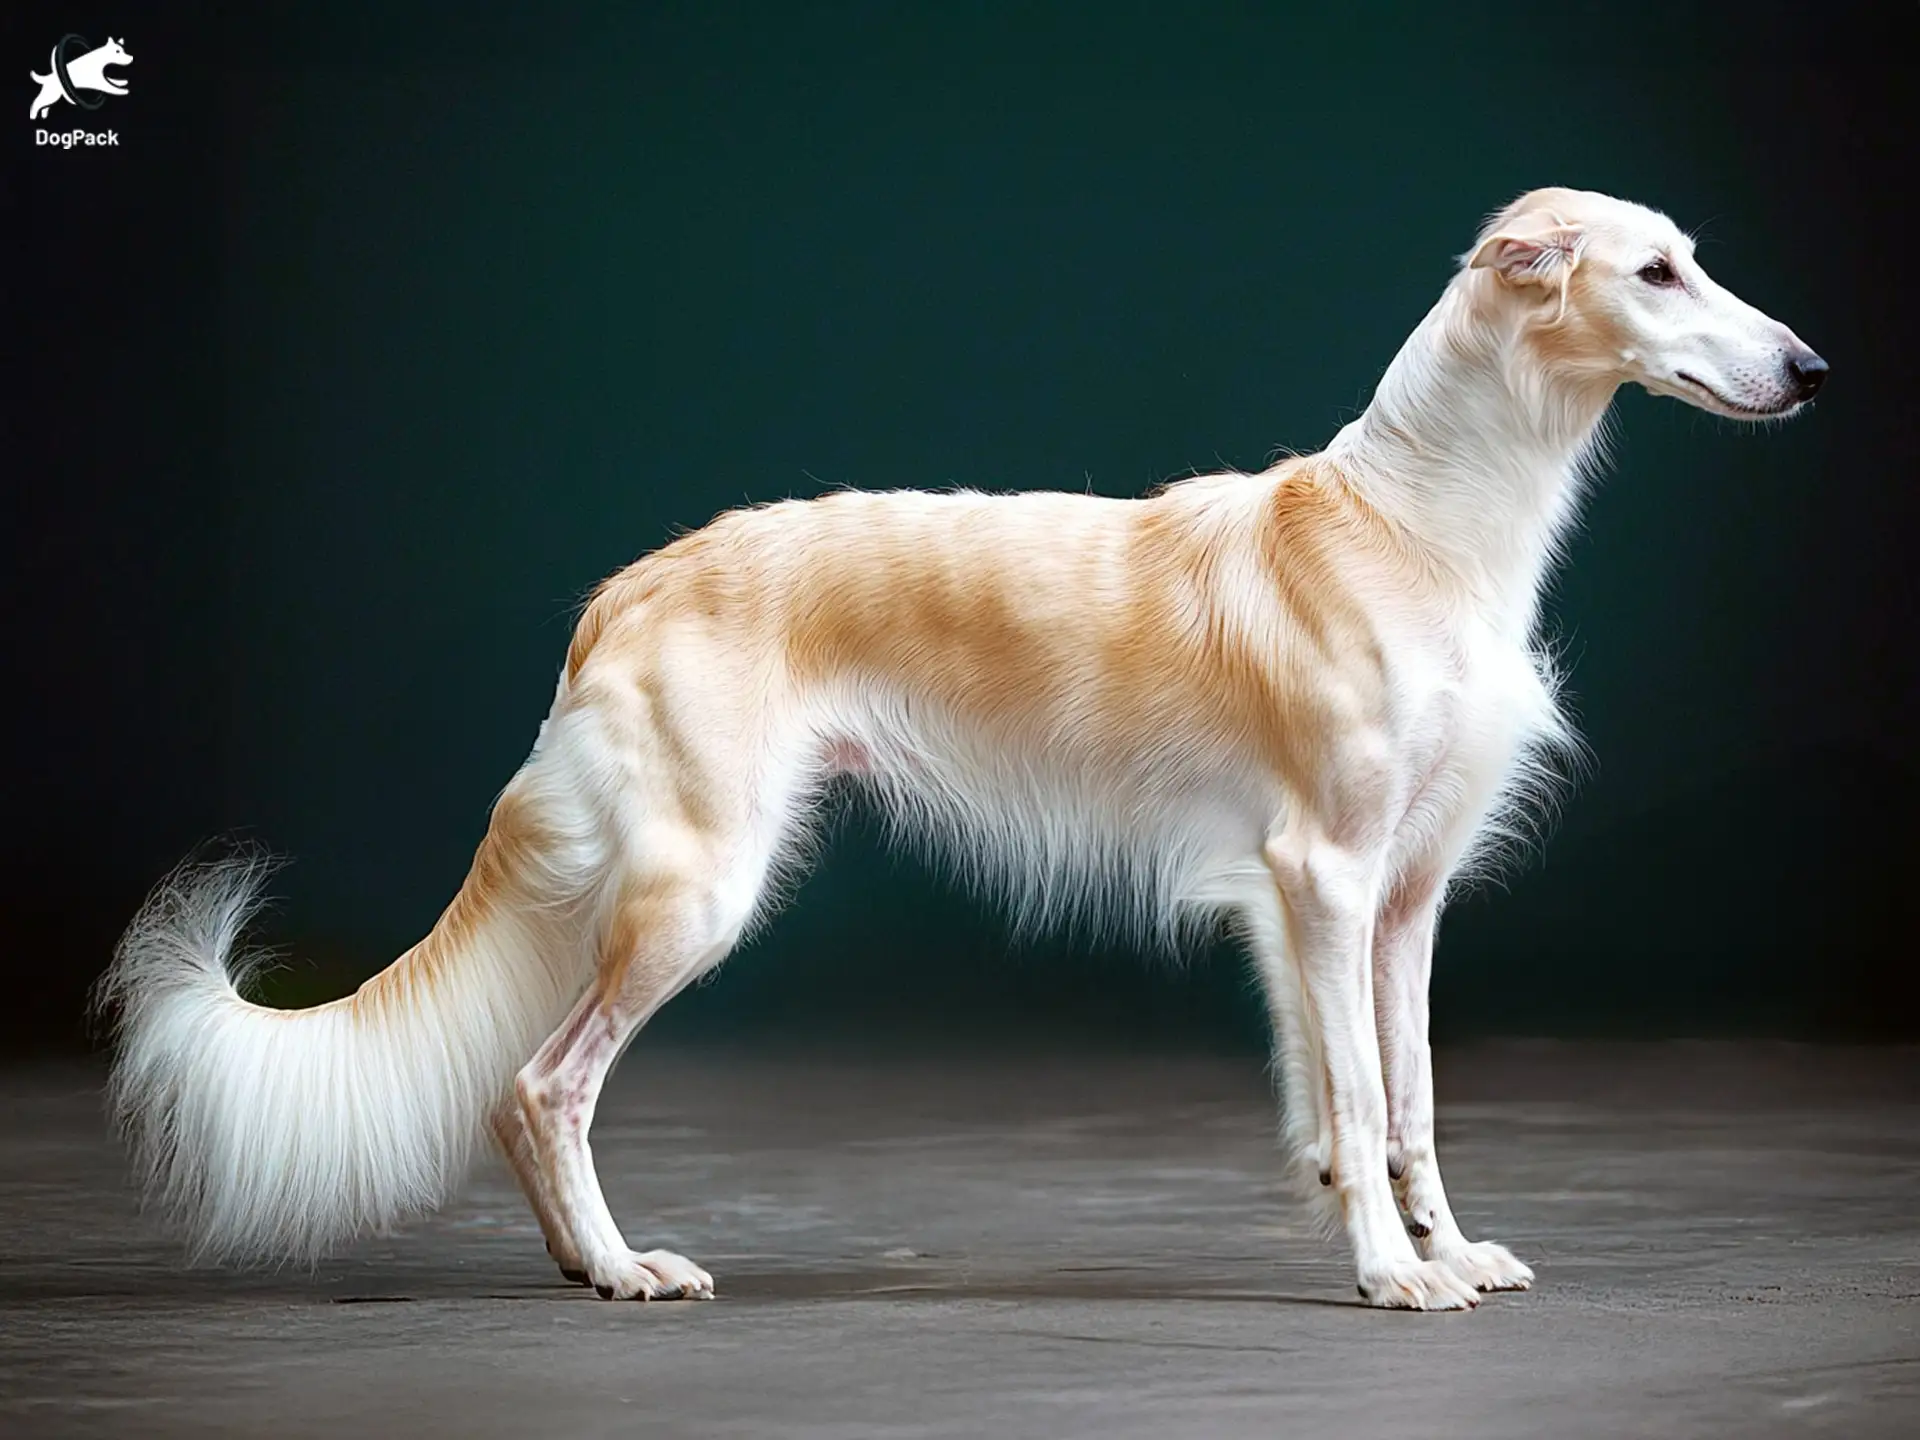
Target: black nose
point(1808, 372)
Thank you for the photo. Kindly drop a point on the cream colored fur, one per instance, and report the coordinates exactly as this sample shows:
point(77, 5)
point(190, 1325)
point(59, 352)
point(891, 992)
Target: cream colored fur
point(1302, 699)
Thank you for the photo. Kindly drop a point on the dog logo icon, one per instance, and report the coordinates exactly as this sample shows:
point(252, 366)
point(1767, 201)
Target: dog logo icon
point(77, 70)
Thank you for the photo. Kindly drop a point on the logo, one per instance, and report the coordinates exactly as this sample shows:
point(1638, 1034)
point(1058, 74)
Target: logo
point(78, 77)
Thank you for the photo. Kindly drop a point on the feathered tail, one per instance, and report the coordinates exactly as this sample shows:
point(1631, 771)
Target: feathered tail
point(269, 1134)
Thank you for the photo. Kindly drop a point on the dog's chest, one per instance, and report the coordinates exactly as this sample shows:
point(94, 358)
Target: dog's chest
point(1469, 707)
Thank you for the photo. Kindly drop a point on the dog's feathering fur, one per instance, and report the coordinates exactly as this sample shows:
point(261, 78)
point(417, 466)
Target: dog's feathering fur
point(1302, 700)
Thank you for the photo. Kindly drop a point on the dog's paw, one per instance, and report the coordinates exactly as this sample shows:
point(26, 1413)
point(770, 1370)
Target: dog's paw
point(656, 1275)
point(1485, 1265)
point(572, 1268)
point(1416, 1285)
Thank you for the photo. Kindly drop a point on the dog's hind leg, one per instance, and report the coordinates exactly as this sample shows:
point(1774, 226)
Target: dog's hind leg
point(676, 752)
point(1402, 966)
point(509, 1128)
point(665, 932)
point(700, 836)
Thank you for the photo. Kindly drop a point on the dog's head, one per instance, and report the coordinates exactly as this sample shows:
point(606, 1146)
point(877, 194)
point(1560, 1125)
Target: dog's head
point(1611, 291)
point(111, 53)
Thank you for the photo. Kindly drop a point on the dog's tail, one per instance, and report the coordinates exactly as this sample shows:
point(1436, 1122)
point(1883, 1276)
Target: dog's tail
point(270, 1134)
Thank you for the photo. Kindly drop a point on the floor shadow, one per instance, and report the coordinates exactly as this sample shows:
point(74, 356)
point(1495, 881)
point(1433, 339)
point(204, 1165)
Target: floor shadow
point(138, 1286)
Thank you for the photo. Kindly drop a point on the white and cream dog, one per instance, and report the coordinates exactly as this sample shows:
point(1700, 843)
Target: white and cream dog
point(1304, 700)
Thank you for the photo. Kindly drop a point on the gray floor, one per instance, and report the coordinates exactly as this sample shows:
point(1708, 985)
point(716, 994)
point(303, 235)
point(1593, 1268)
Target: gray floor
point(1727, 1240)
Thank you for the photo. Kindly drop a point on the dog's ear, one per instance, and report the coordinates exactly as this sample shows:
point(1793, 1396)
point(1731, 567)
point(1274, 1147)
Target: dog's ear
point(1536, 249)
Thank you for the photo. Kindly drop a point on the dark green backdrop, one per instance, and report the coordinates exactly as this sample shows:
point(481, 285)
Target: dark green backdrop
point(380, 340)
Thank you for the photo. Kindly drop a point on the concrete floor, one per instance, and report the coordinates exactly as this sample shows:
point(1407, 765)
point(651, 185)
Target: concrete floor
point(1727, 1241)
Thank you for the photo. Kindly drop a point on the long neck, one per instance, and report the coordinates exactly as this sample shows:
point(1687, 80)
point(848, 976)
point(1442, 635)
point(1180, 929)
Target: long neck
point(1475, 451)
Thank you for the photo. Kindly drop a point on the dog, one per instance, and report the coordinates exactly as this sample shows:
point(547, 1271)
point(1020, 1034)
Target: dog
point(87, 72)
point(1305, 700)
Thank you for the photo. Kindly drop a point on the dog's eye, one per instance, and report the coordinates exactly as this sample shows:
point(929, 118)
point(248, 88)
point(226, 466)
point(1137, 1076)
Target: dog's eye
point(1658, 272)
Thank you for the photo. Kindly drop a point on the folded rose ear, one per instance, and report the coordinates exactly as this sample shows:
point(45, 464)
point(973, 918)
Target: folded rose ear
point(1534, 249)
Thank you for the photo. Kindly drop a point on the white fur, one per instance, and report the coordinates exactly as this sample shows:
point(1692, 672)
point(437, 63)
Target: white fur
point(265, 1134)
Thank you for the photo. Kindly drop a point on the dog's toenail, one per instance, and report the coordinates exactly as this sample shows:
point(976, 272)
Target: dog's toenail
point(605, 1292)
point(578, 1277)
point(1326, 1177)
point(1417, 1230)
point(1396, 1168)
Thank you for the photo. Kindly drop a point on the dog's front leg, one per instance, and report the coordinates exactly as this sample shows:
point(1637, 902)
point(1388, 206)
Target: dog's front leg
point(1402, 967)
point(1329, 894)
